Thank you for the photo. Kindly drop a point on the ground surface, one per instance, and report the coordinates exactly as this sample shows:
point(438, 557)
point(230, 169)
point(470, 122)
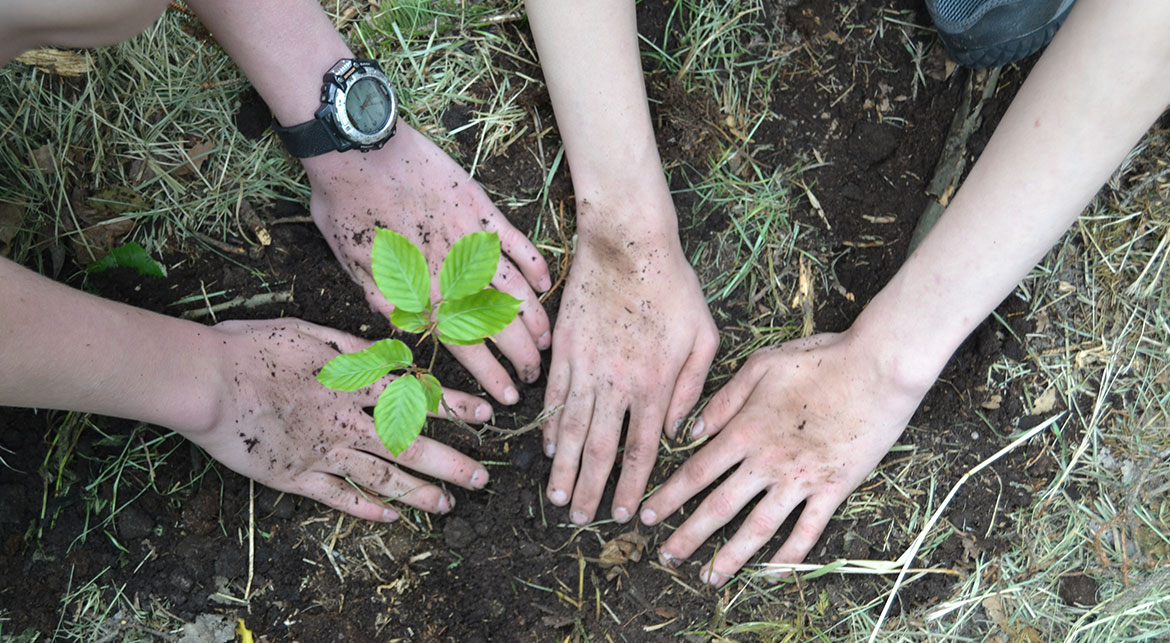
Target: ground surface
point(506, 566)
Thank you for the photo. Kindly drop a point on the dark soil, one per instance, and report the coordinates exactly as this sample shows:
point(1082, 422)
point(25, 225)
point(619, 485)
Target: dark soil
point(504, 565)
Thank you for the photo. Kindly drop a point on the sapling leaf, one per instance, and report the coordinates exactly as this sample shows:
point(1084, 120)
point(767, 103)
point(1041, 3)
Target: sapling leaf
point(408, 321)
point(400, 413)
point(470, 319)
point(470, 265)
point(352, 371)
point(433, 390)
point(400, 271)
point(129, 255)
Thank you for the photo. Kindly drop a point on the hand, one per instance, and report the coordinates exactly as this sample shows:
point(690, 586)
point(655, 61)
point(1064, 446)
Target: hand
point(278, 425)
point(633, 335)
point(805, 421)
point(412, 187)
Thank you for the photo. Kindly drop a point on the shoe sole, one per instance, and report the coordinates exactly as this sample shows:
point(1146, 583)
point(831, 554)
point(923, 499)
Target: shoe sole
point(1003, 53)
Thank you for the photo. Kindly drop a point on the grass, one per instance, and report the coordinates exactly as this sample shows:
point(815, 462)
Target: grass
point(123, 148)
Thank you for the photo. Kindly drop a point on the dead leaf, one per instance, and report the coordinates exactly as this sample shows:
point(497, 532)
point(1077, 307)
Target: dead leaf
point(994, 608)
point(11, 216)
point(197, 153)
point(58, 61)
point(43, 159)
point(666, 612)
point(1028, 634)
point(992, 403)
point(1045, 403)
point(617, 552)
point(105, 228)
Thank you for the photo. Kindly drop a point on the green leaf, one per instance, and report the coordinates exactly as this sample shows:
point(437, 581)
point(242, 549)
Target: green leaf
point(352, 371)
point(129, 255)
point(400, 413)
point(433, 390)
point(400, 271)
point(408, 321)
point(470, 319)
point(470, 265)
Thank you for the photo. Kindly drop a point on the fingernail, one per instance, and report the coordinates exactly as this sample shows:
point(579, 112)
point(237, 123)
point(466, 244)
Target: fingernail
point(389, 515)
point(712, 577)
point(578, 518)
point(697, 430)
point(511, 396)
point(544, 284)
point(621, 514)
point(557, 497)
point(674, 429)
point(545, 341)
point(531, 374)
point(550, 449)
point(444, 504)
point(667, 560)
point(479, 478)
point(482, 413)
point(649, 517)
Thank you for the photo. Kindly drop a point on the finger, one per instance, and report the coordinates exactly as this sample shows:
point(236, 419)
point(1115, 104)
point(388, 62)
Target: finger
point(486, 370)
point(597, 458)
point(555, 393)
point(374, 297)
point(437, 460)
point(574, 426)
point(730, 399)
point(522, 252)
point(518, 347)
point(383, 478)
point(337, 493)
point(467, 407)
point(689, 385)
point(716, 510)
point(342, 341)
point(696, 474)
point(805, 533)
point(531, 314)
point(424, 455)
point(638, 459)
point(759, 527)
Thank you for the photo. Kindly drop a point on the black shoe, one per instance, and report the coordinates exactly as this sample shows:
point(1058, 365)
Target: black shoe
point(992, 33)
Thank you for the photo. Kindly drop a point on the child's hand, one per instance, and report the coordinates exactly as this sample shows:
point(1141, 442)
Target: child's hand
point(412, 187)
point(278, 425)
point(805, 421)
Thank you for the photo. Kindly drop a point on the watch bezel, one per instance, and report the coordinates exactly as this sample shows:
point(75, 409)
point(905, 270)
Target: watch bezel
point(343, 76)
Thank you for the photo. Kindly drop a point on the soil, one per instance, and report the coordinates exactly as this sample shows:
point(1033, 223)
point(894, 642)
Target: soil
point(505, 565)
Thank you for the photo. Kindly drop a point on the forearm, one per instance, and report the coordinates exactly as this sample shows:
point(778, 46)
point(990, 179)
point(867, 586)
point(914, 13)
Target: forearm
point(63, 349)
point(591, 61)
point(1086, 103)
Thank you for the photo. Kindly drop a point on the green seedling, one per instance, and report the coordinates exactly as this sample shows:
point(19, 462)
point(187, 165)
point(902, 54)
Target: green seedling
point(467, 313)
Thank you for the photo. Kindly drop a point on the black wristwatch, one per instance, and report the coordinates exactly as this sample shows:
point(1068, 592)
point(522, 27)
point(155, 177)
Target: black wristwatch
point(358, 111)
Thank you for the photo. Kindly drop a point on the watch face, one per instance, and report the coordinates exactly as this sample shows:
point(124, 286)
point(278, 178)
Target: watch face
point(367, 104)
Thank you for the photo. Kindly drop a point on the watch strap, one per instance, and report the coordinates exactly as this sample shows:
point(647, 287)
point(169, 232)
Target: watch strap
point(311, 138)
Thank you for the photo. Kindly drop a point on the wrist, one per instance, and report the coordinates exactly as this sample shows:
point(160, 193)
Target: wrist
point(896, 352)
point(638, 209)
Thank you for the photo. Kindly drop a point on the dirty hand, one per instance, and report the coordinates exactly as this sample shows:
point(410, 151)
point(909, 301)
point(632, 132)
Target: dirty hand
point(412, 187)
point(278, 425)
point(805, 421)
point(633, 336)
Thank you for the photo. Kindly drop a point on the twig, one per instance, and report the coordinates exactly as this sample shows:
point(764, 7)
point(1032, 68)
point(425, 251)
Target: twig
point(219, 245)
point(953, 159)
point(254, 301)
point(286, 220)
